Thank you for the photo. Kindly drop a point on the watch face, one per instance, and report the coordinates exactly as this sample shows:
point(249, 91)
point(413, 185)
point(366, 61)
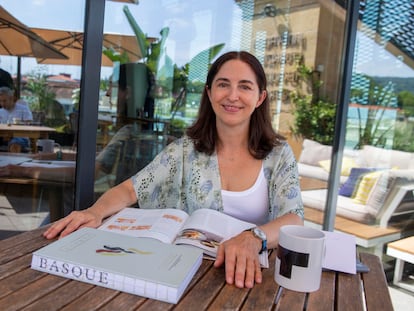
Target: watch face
point(259, 233)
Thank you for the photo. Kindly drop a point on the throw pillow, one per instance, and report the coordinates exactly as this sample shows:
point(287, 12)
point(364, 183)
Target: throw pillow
point(383, 185)
point(313, 152)
point(351, 184)
point(365, 186)
point(347, 165)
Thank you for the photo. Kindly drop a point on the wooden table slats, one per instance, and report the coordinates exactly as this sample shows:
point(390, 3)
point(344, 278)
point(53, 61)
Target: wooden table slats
point(34, 290)
point(375, 284)
point(60, 296)
point(349, 293)
point(262, 296)
point(22, 288)
point(123, 301)
point(291, 301)
point(326, 293)
point(91, 300)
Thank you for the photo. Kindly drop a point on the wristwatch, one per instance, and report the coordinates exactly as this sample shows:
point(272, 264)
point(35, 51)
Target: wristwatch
point(260, 234)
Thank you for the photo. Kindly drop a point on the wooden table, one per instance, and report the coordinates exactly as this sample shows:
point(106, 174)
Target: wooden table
point(53, 189)
point(403, 251)
point(24, 288)
point(31, 131)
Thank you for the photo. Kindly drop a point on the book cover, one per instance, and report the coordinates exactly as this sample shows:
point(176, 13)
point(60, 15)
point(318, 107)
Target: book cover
point(139, 266)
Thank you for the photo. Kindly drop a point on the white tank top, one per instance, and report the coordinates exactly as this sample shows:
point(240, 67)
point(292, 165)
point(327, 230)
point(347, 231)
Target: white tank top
point(249, 205)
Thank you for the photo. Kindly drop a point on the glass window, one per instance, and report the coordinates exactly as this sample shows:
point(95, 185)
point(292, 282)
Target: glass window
point(38, 135)
point(155, 93)
point(380, 124)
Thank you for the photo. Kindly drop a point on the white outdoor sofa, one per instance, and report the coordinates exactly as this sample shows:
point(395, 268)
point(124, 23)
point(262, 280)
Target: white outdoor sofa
point(387, 210)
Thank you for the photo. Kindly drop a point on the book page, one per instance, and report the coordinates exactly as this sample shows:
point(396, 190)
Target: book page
point(160, 224)
point(207, 228)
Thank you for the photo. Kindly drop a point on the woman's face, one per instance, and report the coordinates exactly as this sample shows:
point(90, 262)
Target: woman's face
point(235, 94)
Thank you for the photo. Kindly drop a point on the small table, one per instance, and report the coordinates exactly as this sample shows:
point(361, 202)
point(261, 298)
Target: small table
point(22, 287)
point(403, 251)
point(33, 132)
point(53, 188)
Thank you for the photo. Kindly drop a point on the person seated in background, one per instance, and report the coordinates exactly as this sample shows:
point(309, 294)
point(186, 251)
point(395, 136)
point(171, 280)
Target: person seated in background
point(106, 159)
point(6, 79)
point(12, 112)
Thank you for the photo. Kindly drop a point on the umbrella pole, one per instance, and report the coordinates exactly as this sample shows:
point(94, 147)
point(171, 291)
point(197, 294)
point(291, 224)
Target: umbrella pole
point(19, 76)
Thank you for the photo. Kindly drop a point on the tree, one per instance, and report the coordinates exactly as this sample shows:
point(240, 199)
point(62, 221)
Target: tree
point(314, 117)
point(373, 129)
point(41, 94)
point(405, 101)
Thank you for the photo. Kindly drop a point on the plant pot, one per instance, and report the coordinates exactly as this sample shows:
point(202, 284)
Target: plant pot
point(137, 82)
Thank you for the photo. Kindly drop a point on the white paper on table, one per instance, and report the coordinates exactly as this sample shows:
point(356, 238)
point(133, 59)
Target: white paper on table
point(9, 159)
point(340, 252)
point(45, 163)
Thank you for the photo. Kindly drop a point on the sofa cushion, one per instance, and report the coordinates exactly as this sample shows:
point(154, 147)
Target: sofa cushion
point(314, 152)
point(385, 158)
point(351, 184)
point(346, 207)
point(347, 165)
point(312, 171)
point(317, 172)
point(365, 186)
point(384, 183)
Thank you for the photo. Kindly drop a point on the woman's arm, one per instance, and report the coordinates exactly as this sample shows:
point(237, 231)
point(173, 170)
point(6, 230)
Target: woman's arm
point(272, 228)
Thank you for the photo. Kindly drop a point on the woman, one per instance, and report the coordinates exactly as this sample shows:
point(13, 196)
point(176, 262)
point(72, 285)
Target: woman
point(230, 160)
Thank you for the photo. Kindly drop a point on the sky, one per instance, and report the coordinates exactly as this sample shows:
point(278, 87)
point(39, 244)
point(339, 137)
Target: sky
point(214, 20)
point(375, 61)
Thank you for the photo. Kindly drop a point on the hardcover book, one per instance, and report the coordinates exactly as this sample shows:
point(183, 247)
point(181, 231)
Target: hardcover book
point(140, 266)
point(204, 228)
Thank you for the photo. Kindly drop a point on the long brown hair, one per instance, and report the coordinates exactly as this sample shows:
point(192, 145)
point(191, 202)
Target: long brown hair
point(262, 136)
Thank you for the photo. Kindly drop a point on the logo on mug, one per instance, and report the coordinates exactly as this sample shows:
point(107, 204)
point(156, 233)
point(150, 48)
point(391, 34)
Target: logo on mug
point(289, 258)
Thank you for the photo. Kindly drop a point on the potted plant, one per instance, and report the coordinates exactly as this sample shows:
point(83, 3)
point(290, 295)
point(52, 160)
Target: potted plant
point(152, 50)
point(142, 73)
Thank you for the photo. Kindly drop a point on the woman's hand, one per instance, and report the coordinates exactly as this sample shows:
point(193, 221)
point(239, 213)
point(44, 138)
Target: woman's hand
point(108, 204)
point(240, 255)
point(72, 222)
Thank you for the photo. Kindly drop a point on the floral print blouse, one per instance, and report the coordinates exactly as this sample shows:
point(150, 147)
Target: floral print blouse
point(181, 177)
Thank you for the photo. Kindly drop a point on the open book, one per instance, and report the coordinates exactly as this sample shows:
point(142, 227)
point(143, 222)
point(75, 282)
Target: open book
point(205, 228)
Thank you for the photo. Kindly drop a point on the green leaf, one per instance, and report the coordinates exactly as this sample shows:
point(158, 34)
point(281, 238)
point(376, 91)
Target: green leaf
point(139, 34)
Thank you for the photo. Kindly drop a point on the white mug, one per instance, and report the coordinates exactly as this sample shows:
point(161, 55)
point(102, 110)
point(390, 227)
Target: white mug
point(46, 145)
point(299, 258)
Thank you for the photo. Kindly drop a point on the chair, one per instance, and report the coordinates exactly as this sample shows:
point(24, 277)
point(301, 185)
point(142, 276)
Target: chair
point(132, 155)
point(136, 153)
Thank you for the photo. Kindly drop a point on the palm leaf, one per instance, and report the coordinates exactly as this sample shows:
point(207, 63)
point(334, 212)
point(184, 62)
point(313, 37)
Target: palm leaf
point(139, 34)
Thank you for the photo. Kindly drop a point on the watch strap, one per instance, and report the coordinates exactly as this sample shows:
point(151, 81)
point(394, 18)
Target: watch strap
point(262, 237)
